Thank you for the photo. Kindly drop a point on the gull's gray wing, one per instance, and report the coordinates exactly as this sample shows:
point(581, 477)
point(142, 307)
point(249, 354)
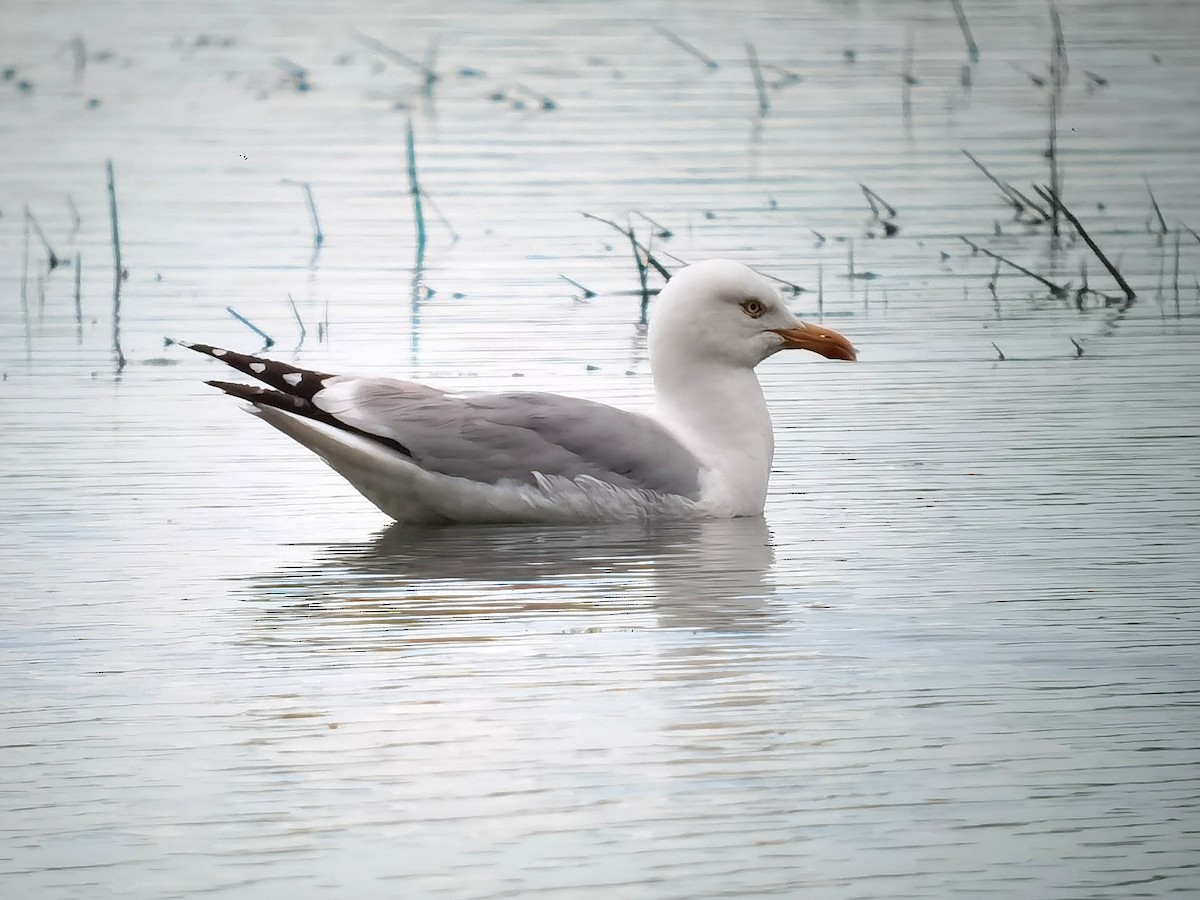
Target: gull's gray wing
point(488, 438)
point(511, 436)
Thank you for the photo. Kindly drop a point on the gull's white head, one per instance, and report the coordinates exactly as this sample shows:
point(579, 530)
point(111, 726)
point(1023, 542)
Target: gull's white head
point(723, 312)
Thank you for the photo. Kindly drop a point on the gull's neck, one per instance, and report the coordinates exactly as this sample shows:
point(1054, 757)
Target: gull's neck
point(719, 412)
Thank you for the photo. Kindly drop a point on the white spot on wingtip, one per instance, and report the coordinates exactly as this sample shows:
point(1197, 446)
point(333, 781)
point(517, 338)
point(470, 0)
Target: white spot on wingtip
point(258, 368)
point(293, 378)
point(217, 351)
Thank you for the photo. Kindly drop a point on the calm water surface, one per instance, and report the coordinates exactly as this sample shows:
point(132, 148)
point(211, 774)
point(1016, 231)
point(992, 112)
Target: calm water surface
point(957, 656)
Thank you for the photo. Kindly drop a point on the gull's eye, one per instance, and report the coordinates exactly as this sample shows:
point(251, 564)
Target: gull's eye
point(753, 308)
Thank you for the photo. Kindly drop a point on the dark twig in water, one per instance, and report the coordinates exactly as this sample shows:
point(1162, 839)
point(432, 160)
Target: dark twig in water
point(78, 298)
point(392, 53)
point(628, 232)
point(669, 255)
point(663, 233)
point(1058, 77)
point(793, 288)
point(25, 289)
point(764, 102)
point(543, 101)
point(430, 66)
point(299, 321)
point(1175, 280)
point(588, 293)
point(1053, 199)
point(268, 341)
point(820, 292)
point(1056, 290)
point(1083, 290)
point(1038, 80)
point(786, 76)
point(1005, 188)
point(873, 199)
point(1052, 155)
point(75, 220)
point(1059, 69)
point(78, 57)
point(414, 187)
point(1078, 348)
point(641, 267)
point(684, 45)
point(118, 269)
point(999, 352)
point(972, 47)
point(907, 80)
point(1191, 232)
point(1033, 206)
point(454, 235)
point(297, 73)
point(820, 237)
point(318, 235)
point(52, 259)
point(1162, 222)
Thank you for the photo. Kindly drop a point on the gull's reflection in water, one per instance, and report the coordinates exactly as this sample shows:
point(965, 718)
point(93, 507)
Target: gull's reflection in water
point(467, 582)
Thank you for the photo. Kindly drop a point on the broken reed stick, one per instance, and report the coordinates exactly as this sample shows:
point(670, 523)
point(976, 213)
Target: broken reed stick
point(73, 210)
point(664, 233)
point(268, 341)
point(794, 288)
point(1162, 222)
point(402, 58)
point(78, 298)
point(907, 80)
point(1005, 188)
point(543, 101)
point(430, 67)
point(641, 267)
point(1059, 69)
point(1175, 280)
point(1058, 75)
point(820, 292)
point(1056, 290)
point(764, 102)
point(454, 235)
point(414, 188)
point(51, 257)
point(873, 199)
point(628, 232)
point(299, 321)
point(1037, 209)
point(685, 46)
point(1050, 197)
point(318, 235)
point(672, 256)
point(588, 293)
point(118, 269)
point(25, 290)
point(999, 352)
point(1078, 348)
point(972, 47)
point(1052, 155)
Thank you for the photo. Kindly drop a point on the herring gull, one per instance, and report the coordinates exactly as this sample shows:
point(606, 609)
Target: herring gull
point(427, 456)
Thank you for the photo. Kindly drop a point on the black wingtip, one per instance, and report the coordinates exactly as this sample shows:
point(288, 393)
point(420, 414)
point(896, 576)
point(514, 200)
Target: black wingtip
point(299, 406)
point(290, 380)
